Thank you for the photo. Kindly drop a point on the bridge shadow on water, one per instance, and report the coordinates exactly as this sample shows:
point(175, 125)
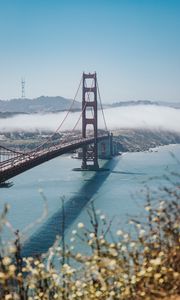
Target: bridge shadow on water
point(44, 238)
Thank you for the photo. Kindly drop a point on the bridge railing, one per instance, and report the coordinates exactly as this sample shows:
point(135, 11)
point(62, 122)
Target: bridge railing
point(23, 157)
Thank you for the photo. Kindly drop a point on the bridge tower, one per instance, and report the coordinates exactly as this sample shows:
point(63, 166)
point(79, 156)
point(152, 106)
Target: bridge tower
point(89, 117)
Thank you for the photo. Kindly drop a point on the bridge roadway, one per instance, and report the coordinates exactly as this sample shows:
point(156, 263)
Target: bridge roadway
point(29, 160)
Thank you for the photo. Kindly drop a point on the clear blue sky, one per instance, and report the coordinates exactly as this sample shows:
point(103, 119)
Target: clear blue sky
point(134, 45)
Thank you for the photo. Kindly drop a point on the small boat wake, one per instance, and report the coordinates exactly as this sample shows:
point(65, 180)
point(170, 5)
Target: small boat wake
point(128, 173)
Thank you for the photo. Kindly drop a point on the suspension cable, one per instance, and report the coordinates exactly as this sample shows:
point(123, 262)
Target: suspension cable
point(11, 151)
point(65, 117)
point(79, 117)
point(88, 95)
point(50, 137)
point(102, 107)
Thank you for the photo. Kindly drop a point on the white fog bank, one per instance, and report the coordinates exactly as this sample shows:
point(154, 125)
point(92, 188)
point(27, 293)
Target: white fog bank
point(143, 116)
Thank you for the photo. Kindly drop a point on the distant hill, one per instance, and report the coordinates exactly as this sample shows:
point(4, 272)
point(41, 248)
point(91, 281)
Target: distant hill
point(38, 105)
point(46, 104)
point(145, 102)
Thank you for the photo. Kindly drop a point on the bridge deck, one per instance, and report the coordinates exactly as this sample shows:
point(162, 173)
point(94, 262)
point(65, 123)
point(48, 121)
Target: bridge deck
point(26, 161)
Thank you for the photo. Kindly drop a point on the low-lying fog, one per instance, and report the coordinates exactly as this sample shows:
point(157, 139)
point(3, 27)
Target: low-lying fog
point(143, 116)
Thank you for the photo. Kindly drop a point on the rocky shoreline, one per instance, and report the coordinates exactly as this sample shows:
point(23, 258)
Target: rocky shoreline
point(136, 140)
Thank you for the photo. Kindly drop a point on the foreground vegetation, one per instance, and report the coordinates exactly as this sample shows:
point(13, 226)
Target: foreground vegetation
point(141, 263)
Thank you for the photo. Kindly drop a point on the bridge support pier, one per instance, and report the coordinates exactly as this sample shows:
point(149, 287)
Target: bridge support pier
point(89, 118)
point(105, 148)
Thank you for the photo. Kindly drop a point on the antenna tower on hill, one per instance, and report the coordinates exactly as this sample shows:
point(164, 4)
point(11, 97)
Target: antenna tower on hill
point(22, 88)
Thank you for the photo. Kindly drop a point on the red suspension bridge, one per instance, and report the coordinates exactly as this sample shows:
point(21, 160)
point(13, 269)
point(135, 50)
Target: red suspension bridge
point(92, 142)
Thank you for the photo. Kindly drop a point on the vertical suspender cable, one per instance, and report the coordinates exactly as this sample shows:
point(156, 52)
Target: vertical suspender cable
point(102, 107)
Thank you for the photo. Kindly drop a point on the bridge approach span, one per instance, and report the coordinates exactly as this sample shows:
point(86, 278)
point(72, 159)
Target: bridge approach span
point(26, 161)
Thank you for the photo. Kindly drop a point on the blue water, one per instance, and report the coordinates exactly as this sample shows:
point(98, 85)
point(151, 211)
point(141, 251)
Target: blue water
point(116, 192)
